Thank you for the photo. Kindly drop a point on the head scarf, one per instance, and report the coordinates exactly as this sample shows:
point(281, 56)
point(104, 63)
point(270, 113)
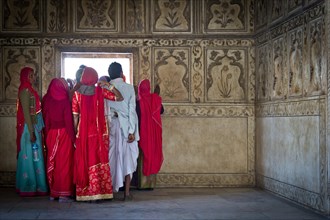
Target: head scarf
point(89, 77)
point(59, 89)
point(25, 84)
point(57, 106)
point(150, 129)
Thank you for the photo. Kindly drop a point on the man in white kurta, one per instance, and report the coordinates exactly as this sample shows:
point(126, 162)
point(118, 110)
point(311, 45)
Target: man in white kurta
point(124, 132)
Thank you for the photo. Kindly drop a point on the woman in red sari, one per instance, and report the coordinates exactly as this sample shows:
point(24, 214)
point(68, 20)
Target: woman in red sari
point(149, 109)
point(59, 139)
point(91, 169)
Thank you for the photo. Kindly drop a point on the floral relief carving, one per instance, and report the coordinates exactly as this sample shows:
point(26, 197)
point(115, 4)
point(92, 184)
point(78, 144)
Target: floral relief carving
point(135, 16)
point(57, 16)
point(21, 15)
point(295, 62)
point(261, 12)
point(96, 15)
point(225, 14)
point(278, 75)
point(16, 58)
point(172, 15)
point(277, 9)
point(317, 63)
point(226, 78)
point(262, 73)
point(171, 73)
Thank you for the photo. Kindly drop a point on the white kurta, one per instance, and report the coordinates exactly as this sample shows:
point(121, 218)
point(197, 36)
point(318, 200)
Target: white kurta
point(123, 155)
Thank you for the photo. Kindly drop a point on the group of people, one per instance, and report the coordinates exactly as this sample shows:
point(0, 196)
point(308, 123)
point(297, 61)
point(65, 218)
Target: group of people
point(93, 134)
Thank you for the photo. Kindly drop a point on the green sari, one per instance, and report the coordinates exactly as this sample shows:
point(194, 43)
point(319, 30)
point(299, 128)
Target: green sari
point(30, 172)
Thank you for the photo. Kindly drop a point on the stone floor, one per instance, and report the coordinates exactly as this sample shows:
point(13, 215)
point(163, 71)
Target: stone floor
point(162, 203)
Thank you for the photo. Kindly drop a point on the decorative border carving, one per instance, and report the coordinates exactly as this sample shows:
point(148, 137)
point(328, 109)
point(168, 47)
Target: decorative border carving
point(205, 180)
point(216, 111)
point(287, 109)
point(294, 193)
point(7, 178)
point(8, 110)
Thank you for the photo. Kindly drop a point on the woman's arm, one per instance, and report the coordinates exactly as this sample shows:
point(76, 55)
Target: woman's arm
point(110, 92)
point(24, 98)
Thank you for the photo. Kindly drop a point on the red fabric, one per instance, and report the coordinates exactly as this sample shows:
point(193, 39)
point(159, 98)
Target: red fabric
point(25, 84)
point(92, 143)
point(60, 163)
point(57, 111)
point(150, 129)
point(100, 185)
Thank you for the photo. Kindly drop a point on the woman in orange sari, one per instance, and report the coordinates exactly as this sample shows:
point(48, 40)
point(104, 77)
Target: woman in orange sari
point(59, 139)
point(91, 169)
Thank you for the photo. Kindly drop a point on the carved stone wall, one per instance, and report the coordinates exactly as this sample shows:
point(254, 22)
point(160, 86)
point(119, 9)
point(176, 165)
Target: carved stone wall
point(207, 81)
point(291, 88)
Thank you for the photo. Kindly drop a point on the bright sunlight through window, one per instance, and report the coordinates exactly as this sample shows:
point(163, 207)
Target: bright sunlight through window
point(99, 61)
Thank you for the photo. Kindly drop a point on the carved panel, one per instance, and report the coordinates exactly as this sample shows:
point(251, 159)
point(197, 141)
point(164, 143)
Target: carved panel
point(21, 15)
point(13, 60)
point(278, 62)
point(96, 16)
point(261, 13)
point(57, 16)
point(226, 74)
point(295, 55)
point(171, 67)
point(225, 15)
point(171, 16)
point(277, 9)
point(315, 80)
point(135, 16)
point(263, 84)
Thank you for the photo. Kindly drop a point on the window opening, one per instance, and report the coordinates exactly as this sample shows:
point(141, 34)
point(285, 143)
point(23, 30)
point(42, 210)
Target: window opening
point(99, 61)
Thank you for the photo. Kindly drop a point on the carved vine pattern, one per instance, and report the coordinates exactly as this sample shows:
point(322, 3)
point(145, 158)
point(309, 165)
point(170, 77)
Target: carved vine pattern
point(197, 77)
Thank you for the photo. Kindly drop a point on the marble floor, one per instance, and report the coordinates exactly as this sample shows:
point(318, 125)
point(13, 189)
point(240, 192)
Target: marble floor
point(161, 203)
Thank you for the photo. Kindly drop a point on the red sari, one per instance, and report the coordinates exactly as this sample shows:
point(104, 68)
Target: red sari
point(92, 170)
point(150, 129)
point(59, 138)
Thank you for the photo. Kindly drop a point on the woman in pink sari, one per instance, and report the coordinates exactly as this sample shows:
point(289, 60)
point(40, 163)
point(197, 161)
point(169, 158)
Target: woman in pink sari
point(91, 169)
point(59, 139)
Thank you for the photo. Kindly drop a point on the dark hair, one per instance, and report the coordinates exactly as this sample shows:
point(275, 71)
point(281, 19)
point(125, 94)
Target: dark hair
point(105, 78)
point(115, 70)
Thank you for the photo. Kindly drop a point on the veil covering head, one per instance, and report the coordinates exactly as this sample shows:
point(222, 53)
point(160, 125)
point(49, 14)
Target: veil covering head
point(89, 76)
point(59, 89)
point(79, 72)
